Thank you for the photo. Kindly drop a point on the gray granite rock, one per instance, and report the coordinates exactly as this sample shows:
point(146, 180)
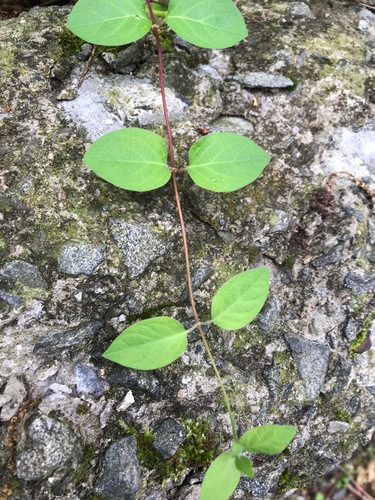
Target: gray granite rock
point(139, 244)
point(360, 282)
point(312, 362)
point(336, 426)
point(263, 80)
point(301, 9)
point(268, 316)
point(23, 272)
point(119, 100)
point(169, 435)
point(46, 446)
point(80, 258)
point(233, 124)
point(88, 381)
point(121, 476)
point(63, 338)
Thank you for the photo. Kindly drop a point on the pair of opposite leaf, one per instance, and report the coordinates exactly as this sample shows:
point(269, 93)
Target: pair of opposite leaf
point(212, 24)
point(157, 342)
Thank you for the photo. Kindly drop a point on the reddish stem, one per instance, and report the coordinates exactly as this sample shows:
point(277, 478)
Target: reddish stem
point(173, 162)
point(181, 217)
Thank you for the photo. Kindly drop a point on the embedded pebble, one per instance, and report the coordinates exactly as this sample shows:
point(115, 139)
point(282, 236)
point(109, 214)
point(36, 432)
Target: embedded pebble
point(11, 399)
point(62, 338)
point(312, 362)
point(301, 9)
point(23, 272)
point(139, 244)
point(168, 437)
point(121, 477)
point(80, 258)
point(134, 379)
point(88, 382)
point(332, 257)
point(263, 80)
point(336, 426)
point(360, 282)
point(268, 316)
point(46, 445)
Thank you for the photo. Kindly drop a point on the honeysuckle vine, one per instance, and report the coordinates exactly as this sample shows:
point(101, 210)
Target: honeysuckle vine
point(139, 160)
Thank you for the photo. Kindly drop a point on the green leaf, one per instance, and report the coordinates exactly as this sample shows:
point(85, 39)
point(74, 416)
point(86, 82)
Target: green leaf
point(109, 22)
point(225, 161)
point(236, 449)
point(132, 158)
point(149, 344)
point(240, 299)
point(268, 439)
point(221, 478)
point(158, 9)
point(212, 24)
point(245, 465)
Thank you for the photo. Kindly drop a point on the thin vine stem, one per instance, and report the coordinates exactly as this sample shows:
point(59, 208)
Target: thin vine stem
point(181, 217)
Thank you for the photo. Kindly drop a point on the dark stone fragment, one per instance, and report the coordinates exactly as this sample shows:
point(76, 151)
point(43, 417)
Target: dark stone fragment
point(121, 477)
point(169, 436)
point(134, 379)
point(268, 316)
point(24, 273)
point(360, 283)
point(130, 57)
point(354, 406)
point(370, 89)
point(271, 375)
point(12, 300)
point(85, 52)
point(332, 257)
point(61, 338)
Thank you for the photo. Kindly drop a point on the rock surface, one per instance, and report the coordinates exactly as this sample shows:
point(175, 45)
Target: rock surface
point(80, 260)
point(121, 477)
point(46, 448)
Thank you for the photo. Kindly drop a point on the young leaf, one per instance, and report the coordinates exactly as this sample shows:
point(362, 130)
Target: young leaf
point(158, 9)
point(149, 344)
point(212, 24)
point(237, 449)
point(109, 22)
point(245, 465)
point(221, 478)
point(239, 300)
point(225, 161)
point(268, 439)
point(131, 158)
